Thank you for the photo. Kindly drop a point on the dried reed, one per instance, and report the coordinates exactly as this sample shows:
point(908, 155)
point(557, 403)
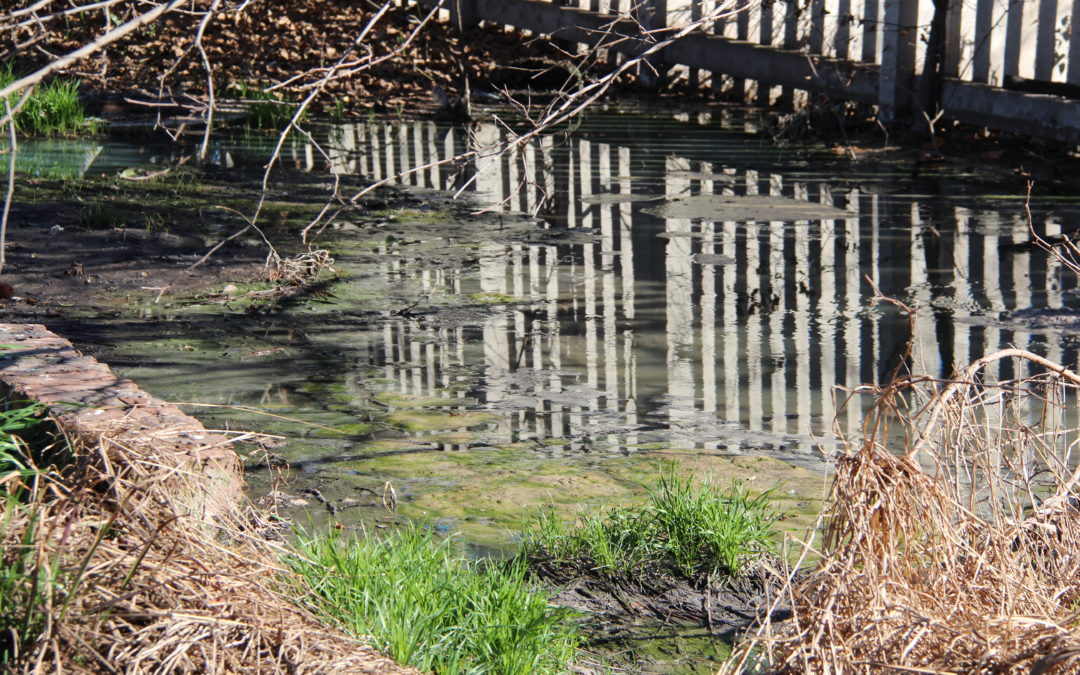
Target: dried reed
point(121, 577)
point(952, 539)
point(300, 269)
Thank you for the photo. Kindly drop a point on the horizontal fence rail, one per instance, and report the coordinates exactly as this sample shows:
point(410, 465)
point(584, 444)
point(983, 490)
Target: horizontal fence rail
point(1007, 64)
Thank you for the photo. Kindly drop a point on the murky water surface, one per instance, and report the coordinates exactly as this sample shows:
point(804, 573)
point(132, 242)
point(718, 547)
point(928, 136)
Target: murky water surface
point(679, 289)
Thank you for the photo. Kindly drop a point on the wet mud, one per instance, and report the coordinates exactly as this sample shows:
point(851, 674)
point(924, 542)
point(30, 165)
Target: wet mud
point(643, 624)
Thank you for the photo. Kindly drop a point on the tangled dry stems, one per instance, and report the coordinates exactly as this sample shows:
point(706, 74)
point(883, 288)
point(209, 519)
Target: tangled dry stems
point(299, 269)
point(146, 586)
point(952, 540)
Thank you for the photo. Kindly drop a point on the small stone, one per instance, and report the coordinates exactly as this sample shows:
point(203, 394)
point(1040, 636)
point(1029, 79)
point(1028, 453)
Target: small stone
point(231, 289)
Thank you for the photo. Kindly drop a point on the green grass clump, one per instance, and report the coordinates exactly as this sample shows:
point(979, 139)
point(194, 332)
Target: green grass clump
point(27, 583)
point(100, 216)
point(266, 110)
point(22, 443)
point(52, 109)
point(429, 608)
point(688, 529)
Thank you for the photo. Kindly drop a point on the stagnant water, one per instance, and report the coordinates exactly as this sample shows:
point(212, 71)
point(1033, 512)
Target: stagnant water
point(632, 319)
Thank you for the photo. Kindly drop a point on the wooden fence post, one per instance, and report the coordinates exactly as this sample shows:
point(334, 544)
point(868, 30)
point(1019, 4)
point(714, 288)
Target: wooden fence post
point(655, 19)
point(897, 75)
point(463, 14)
point(1072, 68)
point(1046, 40)
point(656, 15)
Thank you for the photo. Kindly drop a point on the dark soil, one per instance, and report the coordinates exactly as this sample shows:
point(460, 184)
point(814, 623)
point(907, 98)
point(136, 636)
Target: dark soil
point(622, 610)
point(54, 265)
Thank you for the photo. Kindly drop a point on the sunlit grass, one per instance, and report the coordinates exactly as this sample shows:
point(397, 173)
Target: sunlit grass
point(427, 607)
point(265, 110)
point(690, 529)
point(53, 108)
point(28, 582)
point(20, 441)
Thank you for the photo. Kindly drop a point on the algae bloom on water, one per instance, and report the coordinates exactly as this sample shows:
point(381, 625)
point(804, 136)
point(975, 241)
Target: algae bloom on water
point(428, 607)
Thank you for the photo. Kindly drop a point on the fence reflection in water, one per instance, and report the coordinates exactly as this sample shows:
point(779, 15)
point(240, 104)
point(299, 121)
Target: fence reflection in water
point(717, 334)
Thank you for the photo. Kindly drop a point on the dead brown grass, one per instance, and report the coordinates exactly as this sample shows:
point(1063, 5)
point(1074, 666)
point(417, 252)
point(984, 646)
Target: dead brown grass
point(952, 539)
point(144, 586)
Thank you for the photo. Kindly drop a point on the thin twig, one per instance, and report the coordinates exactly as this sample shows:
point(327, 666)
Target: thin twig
point(9, 115)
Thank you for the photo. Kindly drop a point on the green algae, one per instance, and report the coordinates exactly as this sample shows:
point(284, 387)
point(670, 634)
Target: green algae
point(509, 479)
point(354, 429)
point(670, 649)
point(493, 298)
point(486, 493)
point(413, 216)
point(430, 420)
point(396, 399)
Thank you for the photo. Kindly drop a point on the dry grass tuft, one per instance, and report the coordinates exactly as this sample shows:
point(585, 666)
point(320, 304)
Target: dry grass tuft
point(952, 540)
point(122, 578)
point(300, 269)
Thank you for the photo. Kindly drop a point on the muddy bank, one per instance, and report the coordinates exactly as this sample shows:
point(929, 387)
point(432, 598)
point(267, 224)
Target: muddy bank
point(660, 623)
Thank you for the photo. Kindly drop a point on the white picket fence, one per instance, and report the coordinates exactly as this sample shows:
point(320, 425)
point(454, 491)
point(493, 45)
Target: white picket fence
point(1009, 64)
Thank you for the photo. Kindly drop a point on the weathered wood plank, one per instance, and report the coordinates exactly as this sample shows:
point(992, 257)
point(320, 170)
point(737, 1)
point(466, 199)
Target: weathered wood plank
point(1047, 35)
point(896, 82)
point(950, 64)
point(742, 34)
point(842, 49)
point(871, 30)
point(1072, 74)
point(792, 17)
point(1033, 114)
point(1014, 37)
point(984, 23)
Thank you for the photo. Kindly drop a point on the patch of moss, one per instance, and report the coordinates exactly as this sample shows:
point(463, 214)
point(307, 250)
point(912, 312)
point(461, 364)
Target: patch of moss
point(356, 429)
point(333, 393)
point(396, 399)
point(430, 420)
point(406, 215)
point(492, 298)
point(668, 649)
